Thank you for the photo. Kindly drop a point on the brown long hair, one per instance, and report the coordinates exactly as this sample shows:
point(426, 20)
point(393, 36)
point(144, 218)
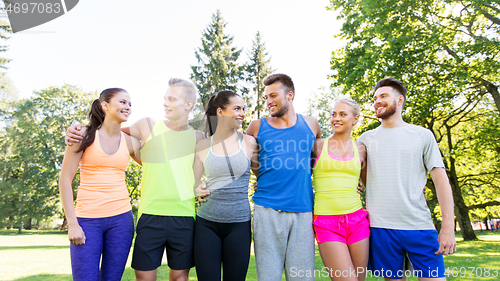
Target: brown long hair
point(219, 100)
point(96, 116)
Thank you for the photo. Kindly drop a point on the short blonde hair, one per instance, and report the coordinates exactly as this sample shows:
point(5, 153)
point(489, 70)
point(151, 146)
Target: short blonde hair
point(190, 91)
point(349, 101)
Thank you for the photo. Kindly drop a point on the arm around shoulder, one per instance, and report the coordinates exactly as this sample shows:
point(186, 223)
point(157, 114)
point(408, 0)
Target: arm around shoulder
point(141, 128)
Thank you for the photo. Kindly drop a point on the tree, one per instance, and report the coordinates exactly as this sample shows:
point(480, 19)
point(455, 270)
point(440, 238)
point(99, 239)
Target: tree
point(446, 52)
point(33, 151)
point(320, 106)
point(133, 177)
point(217, 67)
point(448, 39)
point(255, 72)
point(5, 30)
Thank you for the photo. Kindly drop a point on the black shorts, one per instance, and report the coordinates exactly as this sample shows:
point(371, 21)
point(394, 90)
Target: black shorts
point(156, 233)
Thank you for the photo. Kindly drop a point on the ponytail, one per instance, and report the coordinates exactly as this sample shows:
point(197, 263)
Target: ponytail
point(97, 116)
point(219, 100)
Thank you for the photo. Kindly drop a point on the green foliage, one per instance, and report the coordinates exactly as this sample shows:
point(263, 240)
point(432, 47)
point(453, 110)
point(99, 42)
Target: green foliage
point(256, 70)
point(320, 106)
point(33, 150)
point(217, 67)
point(443, 41)
point(5, 31)
point(133, 180)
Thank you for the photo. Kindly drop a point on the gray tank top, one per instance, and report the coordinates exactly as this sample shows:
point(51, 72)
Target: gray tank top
point(227, 180)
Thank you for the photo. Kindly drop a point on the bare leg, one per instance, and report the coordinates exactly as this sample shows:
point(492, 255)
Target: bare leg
point(359, 255)
point(178, 275)
point(337, 259)
point(145, 275)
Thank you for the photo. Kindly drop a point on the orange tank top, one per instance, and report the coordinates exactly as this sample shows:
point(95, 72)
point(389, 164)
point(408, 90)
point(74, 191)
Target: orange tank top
point(102, 191)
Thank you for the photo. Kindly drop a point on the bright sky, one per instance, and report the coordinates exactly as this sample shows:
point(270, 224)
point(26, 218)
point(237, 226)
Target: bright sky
point(139, 45)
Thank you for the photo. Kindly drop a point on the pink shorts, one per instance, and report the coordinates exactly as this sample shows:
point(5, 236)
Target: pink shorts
point(348, 228)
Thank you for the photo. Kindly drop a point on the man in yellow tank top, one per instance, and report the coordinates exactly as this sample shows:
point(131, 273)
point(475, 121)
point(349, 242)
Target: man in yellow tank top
point(167, 206)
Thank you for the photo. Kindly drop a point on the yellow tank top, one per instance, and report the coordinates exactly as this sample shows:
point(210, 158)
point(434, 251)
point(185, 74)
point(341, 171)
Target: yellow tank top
point(336, 184)
point(167, 177)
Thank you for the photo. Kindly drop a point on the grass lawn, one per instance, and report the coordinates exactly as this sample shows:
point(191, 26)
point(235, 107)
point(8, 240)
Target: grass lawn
point(44, 255)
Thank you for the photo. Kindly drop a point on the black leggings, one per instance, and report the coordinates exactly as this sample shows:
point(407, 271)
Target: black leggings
point(228, 243)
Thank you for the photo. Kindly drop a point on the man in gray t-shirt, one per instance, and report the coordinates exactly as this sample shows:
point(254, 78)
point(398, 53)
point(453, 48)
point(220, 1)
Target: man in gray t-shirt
point(399, 157)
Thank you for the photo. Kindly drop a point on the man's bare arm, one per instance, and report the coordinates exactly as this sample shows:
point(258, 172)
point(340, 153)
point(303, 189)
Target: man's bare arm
point(447, 243)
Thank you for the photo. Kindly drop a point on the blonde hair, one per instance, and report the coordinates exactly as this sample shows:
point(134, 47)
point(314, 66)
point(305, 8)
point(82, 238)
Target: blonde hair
point(349, 101)
point(190, 91)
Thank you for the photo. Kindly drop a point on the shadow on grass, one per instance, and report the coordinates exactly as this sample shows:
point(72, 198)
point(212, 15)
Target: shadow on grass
point(47, 277)
point(2, 248)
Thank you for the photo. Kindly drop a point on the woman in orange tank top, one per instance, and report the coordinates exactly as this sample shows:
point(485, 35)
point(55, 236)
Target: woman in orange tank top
point(101, 225)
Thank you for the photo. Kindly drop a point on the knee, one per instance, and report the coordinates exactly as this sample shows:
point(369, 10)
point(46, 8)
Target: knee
point(179, 275)
point(145, 275)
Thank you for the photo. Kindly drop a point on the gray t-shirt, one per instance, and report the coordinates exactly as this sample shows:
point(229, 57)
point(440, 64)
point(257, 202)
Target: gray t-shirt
point(398, 160)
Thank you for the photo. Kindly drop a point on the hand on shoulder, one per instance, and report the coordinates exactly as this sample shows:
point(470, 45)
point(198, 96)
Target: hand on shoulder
point(75, 134)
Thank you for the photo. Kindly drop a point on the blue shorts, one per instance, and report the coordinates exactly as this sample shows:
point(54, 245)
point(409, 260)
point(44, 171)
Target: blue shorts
point(389, 247)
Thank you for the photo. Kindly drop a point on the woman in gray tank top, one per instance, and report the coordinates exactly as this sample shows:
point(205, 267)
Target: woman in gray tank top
point(222, 228)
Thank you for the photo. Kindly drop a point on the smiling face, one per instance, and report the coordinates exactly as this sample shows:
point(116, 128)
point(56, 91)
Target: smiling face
point(343, 118)
point(119, 106)
point(385, 102)
point(277, 99)
point(175, 104)
point(234, 113)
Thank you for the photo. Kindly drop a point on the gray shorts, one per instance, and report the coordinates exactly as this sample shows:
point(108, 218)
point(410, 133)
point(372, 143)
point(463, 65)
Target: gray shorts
point(283, 240)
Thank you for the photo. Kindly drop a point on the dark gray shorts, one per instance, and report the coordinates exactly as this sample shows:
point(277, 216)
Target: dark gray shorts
point(158, 233)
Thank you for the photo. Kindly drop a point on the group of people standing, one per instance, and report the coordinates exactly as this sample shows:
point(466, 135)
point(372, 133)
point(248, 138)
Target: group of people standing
point(283, 150)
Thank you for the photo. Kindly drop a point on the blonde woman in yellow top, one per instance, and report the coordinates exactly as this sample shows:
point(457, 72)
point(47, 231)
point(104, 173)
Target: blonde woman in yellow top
point(340, 222)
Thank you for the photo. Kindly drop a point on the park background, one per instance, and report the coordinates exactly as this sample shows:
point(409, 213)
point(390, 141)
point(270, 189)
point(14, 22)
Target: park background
point(446, 52)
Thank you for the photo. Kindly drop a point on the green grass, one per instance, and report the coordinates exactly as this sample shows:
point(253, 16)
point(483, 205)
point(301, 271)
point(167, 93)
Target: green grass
point(44, 255)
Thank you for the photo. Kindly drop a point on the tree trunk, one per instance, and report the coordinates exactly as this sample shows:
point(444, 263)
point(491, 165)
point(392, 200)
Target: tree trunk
point(30, 224)
point(493, 90)
point(64, 224)
point(461, 210)
point(22, 198)
point(11, 223)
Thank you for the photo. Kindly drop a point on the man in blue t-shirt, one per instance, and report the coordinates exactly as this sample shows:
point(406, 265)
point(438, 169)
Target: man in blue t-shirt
point(282, 225)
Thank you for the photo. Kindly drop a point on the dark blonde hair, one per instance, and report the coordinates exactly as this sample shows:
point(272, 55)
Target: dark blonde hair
point(190, 91)
point(349, 101)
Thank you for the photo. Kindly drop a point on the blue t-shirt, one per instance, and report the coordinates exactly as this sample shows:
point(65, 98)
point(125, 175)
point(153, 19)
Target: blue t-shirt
point(284, 181)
